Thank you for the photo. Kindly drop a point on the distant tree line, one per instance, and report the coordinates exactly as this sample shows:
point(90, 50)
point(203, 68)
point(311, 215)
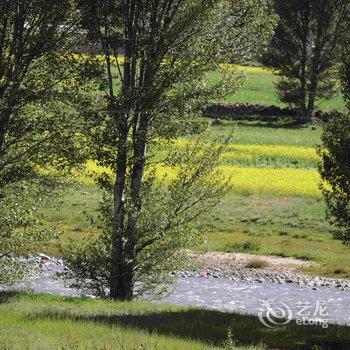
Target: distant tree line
point(305, 50)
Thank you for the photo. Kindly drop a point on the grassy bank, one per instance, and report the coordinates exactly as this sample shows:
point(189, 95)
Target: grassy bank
point(275, 207)
point(262, 225)
point(48, 322)
point(280, 226)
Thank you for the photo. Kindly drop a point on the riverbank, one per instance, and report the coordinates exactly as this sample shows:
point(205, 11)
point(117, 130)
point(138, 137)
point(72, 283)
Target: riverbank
point(47, 322)
point(227, 282)
point(259, 268)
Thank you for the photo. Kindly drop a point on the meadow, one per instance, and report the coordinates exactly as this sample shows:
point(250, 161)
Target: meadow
point(275, 206)
point(35, 322)
point(259, 87)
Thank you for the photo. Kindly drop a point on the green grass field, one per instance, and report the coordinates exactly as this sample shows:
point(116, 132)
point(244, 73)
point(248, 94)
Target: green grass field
point(275, 207)
point(259, 88)
point(48, 322)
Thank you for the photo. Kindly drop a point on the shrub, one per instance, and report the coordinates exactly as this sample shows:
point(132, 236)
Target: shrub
point(257, 264)
point(20, 229)
point(244, 110)
point(247, 246)
point(240, 111)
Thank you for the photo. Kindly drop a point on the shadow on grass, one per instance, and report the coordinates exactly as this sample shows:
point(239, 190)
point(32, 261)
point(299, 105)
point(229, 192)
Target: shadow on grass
point(290, 124)
point(7, 297)
point(212, 327)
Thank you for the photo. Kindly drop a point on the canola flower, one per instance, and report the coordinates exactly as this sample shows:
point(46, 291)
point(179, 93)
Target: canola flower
point(297, 154)
point(234, 68)
point(253, 181)
point(280, 182)
point(249, 180)
point(255, 153)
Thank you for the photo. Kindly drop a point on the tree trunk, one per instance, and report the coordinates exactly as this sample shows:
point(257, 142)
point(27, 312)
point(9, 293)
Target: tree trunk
point(302, 103)
point(313, 86)
point(118, 290)
point(303, 79)
point(312, 99)
point(138, 167)
point(122, 256)
point(304, 62)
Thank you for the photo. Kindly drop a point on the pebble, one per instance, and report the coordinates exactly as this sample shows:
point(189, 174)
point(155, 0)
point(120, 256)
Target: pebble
point(45, 263)
point(239, 292)
point(43, 256)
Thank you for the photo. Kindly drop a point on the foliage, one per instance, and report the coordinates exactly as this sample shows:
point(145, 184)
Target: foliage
point(246, 111)
point(345, 68)
point(166, 224)
point(335, 171)
point(168, 49)
point(41, 92)
point(304, 51)
point(251, 24)
point(42, 89)
point(20, 230)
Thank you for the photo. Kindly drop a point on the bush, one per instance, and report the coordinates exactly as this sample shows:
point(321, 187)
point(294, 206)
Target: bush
point(241, 111)
point(335, 172)
point(247, 246)
point(257, 264)
point(20, 229)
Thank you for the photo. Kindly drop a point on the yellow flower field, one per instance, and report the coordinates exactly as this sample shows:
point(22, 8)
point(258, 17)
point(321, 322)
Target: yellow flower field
point(279, 181)
point(256, 151)
point(244, 69)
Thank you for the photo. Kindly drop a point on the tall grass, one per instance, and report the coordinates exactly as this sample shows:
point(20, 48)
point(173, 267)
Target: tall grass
point(48, 322)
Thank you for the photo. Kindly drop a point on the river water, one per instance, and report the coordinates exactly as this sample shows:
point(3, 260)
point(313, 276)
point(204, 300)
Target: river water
point(273, 302)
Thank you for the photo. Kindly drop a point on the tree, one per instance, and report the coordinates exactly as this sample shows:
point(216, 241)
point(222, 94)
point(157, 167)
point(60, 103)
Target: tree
point(345, 67)
point(38, 120)
point(335, 153)
point(168, 48)
point(36, 73)
point(166, 223)
point(335, 172)
point(305, 48)
point(251, 24)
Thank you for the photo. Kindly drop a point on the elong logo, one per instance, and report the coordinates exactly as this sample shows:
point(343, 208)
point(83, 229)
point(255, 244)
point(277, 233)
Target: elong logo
point(279, 313)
